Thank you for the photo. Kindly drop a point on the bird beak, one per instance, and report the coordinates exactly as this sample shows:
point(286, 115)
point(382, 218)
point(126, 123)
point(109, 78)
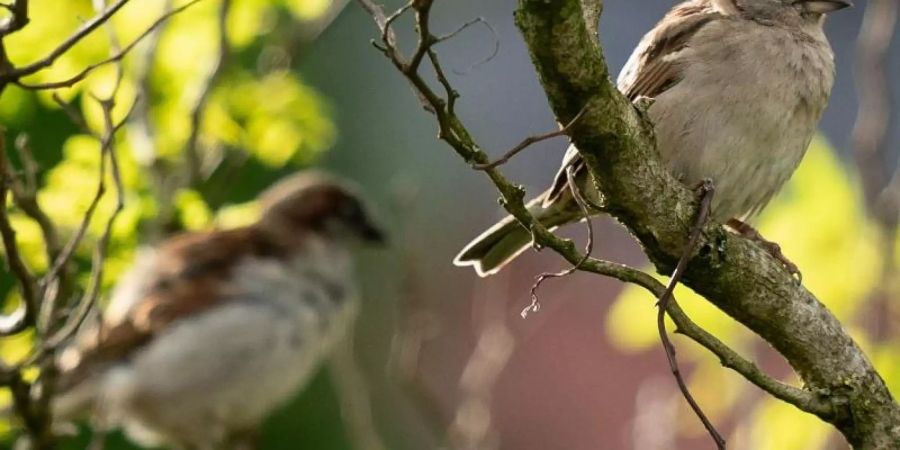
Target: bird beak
point(824, 6)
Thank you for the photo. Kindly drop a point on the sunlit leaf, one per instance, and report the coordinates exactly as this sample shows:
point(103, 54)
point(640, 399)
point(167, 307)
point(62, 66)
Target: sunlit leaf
point(232, 216)
point(308, 9)
point(192, 210)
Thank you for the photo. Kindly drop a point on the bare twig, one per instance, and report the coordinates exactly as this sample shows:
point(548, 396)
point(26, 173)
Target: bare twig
point(72, 112)
point(194, 159)
point(531, 140)
point(108, 159)
point(20, 319)
point(464, 27)
point(89, 299)
point(58, 265)
point(451, 93)
point(426, 39)
point(706, 193)
point(142, 132)
point(494, 51)
point(114, 58)
point(386, 23)
point(107, 147)
point(25, 197)
point(535, 305)
point(105, 142)
point(70, 42)
point(61, 329)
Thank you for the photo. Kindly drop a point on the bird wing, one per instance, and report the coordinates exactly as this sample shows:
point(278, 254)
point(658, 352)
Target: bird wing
point(654, 67)
point(189, 274)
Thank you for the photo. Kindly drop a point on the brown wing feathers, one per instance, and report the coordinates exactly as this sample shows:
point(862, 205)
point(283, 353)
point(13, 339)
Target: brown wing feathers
point(653, 68)
point(190, 275)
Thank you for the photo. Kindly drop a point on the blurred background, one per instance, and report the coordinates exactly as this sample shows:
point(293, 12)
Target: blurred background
point(445, 357)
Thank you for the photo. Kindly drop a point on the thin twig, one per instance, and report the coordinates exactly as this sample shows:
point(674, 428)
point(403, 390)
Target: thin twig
point(59, 264)
point(25, 197)
point(426, 39)
point(76, 37)
point(142, 133)
point(494, 52)
point(105, 141)
point(61, 332)
point(191, 151)
point(527, 142)
point(452, 94)
point(386, 22)
point(89, 299)
point(23, 316)
point(535, 305)
point(461, 28)
point(706, 192)
point(72, 112)
point(116, 56)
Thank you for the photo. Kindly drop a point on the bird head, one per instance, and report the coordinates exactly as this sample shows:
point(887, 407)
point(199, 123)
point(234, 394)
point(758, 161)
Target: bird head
point(318, 203)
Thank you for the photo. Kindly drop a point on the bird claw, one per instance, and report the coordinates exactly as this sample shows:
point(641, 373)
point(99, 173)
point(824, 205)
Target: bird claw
point(775, 250)
point(772, 248)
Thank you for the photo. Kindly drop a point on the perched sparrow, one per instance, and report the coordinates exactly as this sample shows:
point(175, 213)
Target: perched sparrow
point(736, 89)
point(211, 331)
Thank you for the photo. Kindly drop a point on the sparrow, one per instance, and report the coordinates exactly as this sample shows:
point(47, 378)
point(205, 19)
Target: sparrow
point(735, 90)
point(211, 331)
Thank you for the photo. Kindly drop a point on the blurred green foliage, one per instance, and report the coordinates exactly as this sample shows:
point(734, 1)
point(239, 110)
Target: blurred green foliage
point(820, 224)
point(260, 121)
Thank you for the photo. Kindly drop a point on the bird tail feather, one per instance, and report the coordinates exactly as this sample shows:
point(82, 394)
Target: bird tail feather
point(507, 239)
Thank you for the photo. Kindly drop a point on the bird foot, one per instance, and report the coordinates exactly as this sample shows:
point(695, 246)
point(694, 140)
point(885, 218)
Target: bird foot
point(772, 248)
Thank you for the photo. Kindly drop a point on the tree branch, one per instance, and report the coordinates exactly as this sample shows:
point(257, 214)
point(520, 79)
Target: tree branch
point(731, 272)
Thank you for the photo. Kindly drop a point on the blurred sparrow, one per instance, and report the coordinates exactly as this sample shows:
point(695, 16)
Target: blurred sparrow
point(736, 89)
point(211, 331)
